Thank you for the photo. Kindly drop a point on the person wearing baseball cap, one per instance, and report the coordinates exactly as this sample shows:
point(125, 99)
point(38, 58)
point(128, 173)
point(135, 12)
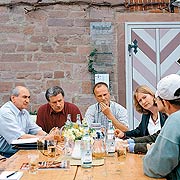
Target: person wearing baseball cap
point(163, 159)
point(167, 87)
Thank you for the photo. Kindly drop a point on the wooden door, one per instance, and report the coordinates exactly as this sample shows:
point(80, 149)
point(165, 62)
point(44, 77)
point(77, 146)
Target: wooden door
point(157, 55)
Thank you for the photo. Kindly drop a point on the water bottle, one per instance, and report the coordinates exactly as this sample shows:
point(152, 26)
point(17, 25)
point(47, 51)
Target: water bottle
point(67, 147)
point(110, 139)
point(86, 152)
point(68, 121)
point(78, 119)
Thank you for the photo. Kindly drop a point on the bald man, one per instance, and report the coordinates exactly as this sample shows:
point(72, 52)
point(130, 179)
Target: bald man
point(15, 122)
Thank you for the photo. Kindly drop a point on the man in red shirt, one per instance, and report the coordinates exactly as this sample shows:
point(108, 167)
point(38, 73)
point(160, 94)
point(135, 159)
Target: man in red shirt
point(55, 112)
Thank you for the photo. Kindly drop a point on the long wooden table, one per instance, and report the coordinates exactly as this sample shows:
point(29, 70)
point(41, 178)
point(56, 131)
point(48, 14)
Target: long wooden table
point(128, 169)
point(15, 162)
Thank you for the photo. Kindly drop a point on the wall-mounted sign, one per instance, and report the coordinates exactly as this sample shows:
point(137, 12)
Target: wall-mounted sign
point(102, 78)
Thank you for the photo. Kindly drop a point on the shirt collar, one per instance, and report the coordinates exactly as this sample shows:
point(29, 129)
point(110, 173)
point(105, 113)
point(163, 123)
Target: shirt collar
point(15, 109)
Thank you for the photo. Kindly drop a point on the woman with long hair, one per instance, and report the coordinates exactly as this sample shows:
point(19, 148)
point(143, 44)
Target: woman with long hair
point(152, 120)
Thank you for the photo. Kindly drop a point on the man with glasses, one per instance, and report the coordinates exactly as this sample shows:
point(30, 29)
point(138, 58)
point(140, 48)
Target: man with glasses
point(105, 109)
point(55, 112)
point(163, 158)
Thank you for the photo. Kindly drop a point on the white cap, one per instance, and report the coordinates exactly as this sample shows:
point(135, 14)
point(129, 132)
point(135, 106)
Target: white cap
point(167, 86)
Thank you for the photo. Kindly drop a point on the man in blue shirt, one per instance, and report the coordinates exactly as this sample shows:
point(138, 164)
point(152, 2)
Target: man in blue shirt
point(163, 158)
point(105, 109)
point(15, 122)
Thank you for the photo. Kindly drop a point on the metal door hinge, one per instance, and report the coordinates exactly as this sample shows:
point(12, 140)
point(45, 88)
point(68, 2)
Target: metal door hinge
point(131, 46)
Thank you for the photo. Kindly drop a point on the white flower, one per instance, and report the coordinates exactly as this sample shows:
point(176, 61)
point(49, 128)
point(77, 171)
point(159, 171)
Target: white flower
point(74, 131)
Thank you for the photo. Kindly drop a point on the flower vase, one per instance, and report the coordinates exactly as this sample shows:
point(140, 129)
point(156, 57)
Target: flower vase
point(76, 153)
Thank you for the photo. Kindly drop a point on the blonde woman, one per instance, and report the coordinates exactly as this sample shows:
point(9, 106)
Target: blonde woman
point(152, 120)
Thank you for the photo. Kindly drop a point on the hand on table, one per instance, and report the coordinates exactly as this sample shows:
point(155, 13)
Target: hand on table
point(118, 133)
point(149, 146)
point(2, 158)
point(54, 134)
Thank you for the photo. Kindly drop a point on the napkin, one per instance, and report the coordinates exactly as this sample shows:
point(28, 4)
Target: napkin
point(16, 176)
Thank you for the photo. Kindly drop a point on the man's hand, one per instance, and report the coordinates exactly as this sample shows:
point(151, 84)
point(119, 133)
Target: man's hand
point(105, 109)
point(54, 134)
point(118, 133)
point(149, 146)
point(107, 112)
point(2, 158)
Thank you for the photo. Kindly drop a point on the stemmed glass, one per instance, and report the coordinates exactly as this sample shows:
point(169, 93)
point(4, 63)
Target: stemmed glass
point(50, 145)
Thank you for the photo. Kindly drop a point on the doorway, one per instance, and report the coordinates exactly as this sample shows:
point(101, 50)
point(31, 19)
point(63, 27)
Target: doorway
point(151, 52)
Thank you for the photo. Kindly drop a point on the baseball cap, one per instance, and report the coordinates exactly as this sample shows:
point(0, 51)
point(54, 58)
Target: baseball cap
point(167, 86)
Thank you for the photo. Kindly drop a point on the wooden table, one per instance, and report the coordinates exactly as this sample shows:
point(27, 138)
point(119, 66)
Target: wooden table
point(128, 169)
point(15, 162)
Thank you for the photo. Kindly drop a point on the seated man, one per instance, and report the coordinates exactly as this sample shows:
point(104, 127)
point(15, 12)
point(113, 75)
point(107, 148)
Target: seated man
point(105, 109)
point(55, 112)
point(163, 158)
point(15, 122)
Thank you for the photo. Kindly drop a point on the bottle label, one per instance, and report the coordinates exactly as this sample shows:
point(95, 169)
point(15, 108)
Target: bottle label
point(86, 153)
point(87, 163)
point(110, 136)
point(86, 157)
point(110, 146)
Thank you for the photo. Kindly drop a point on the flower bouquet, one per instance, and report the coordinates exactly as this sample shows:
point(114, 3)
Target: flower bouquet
point(73, 132)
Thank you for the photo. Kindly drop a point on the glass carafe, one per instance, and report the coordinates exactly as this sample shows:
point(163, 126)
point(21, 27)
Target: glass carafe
point(98, 149)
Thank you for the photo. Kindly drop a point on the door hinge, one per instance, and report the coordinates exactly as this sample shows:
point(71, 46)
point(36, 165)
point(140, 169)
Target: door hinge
point(131, 46)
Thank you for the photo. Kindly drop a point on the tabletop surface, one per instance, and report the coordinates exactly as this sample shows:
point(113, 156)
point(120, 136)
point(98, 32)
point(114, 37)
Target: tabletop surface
point(129, 168)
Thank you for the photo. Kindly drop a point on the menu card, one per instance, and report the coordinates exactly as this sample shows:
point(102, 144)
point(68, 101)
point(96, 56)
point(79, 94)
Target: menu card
point(25, 141)
point(49, 165)
point(29, 143)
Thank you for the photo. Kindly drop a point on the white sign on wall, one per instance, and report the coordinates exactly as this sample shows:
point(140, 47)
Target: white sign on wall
point(102, 78)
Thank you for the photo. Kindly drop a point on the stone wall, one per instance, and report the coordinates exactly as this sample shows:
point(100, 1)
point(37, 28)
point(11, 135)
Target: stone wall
point(50, 45)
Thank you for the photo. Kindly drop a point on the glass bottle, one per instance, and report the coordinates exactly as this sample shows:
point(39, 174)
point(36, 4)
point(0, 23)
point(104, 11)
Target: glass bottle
point(86, 152)
point(78, 119)
point(68, 147)
point(110, 138)
point(68, 121)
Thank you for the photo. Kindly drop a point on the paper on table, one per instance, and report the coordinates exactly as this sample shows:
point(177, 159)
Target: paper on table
point(15, 176)
point(24, 141)
point(64, 164)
